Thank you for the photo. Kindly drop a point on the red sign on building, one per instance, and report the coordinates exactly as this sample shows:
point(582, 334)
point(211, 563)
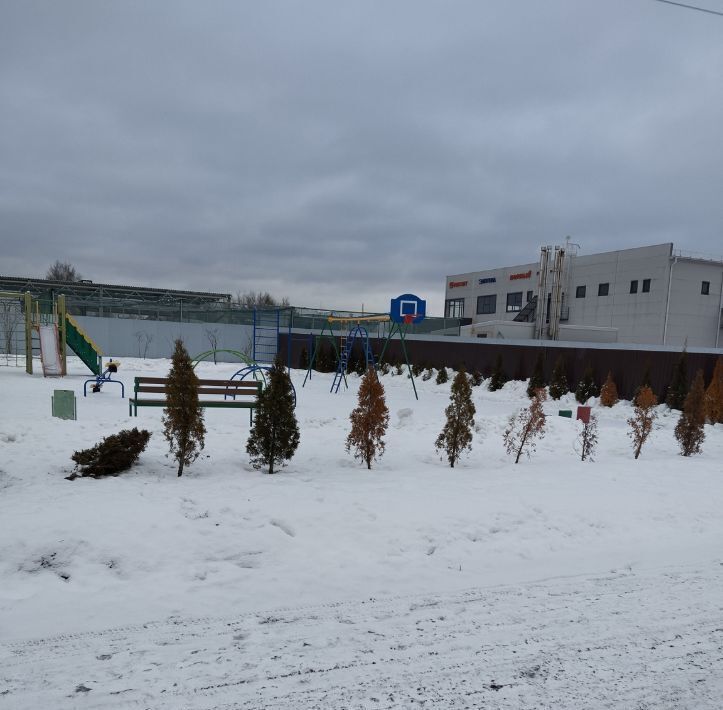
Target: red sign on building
point(457, 284)
point(525, 275)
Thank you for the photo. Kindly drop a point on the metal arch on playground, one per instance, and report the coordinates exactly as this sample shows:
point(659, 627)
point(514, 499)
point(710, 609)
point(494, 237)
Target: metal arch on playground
point(405, 310)
point(265, 345)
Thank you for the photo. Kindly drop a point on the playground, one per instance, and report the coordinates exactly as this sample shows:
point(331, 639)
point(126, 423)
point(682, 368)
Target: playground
point(186, 572)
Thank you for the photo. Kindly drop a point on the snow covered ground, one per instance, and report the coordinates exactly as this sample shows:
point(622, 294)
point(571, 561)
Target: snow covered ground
point(553, 583)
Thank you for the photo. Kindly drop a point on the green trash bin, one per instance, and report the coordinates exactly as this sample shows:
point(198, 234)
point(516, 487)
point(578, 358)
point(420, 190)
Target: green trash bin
point(565, 413)
point(63, 404)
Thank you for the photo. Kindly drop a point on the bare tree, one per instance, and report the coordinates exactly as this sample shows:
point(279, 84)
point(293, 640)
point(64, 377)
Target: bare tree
point(588, 438)
point(262, 299)
point(525, 427)
point(10, 318)
point(143, 339)
point(212, 335)
point(62, 271)
point(641, 423)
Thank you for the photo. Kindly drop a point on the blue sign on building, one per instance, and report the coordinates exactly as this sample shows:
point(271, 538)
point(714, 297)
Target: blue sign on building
point(408, 308)
point(489, 280)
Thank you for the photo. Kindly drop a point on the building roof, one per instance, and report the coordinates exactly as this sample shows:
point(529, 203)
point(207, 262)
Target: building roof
point(83, 290)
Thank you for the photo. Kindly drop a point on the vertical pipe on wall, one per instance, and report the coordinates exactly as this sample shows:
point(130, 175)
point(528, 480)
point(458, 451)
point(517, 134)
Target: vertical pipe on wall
point(554, 316)
point(541, 292)
point(667, 300)
point(720, 310)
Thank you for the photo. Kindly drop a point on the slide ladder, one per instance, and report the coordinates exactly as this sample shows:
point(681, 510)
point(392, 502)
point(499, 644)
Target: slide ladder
point(82, 345)
point(347, 344)
point(50, 350)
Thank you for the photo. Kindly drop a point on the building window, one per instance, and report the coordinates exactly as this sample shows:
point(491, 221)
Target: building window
point(705, 288)
point(580, 291)
point(481, 335)
point(646, 285)
point(514, 301)
point(529, 296)
point(454, 308)
point(487, 304)
point(634, 286)
point(603, 289)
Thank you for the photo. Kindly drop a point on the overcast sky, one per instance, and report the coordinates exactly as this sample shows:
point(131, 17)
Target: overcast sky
point(341, 153)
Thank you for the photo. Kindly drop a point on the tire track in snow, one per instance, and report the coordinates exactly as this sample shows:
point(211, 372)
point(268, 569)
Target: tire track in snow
point(651, 640)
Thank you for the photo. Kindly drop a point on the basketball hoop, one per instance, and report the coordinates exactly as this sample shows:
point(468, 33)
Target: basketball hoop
point(409, 318)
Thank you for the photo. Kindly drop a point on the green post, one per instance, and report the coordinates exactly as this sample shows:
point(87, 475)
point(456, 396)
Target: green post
point(406, 359)
point(62, 333)
point(397, 328)
point(28, 333)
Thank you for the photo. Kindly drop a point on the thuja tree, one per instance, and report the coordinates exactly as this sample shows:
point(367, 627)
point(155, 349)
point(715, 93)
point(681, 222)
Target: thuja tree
point(304, 359)
point(558, 382)
point(646, 381)
point(183, 418)
point(609, 392)
point(361, 365)
point(714, 395)
point(537, 378)
point(498, 377)
point(456, 436)
point(641, 423)
point(442, 376)
point(678, 388)
point(274, 436)
point(324, 357)
point(115, 454)
point(690, 429)
point(587, 387)
point(525, 427)
point(369, 420)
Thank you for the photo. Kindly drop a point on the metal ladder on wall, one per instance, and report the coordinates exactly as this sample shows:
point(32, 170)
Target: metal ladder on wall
point(266, 335)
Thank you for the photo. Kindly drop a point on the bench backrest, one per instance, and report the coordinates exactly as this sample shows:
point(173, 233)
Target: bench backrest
point(157, 385)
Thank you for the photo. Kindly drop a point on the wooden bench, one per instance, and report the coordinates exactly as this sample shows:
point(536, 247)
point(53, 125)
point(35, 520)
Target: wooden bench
point(233, 394)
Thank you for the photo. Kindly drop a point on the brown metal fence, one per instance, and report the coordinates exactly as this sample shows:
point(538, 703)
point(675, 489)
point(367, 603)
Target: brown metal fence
point(627, 364)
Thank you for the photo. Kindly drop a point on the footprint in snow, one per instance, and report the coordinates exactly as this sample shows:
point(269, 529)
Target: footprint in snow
point(284, 527)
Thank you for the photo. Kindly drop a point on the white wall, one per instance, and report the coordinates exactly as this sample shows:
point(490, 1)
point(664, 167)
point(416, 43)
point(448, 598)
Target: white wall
point(694, 317)
point(121, 337)
point(638, 317)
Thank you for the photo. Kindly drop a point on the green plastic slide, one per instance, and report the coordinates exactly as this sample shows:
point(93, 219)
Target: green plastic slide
point(82, 345)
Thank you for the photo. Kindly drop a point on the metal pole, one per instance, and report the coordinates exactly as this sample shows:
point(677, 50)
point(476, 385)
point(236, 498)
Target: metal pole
point(62, 332)
point(720, 309)
point(406, 358)
point(28, 333)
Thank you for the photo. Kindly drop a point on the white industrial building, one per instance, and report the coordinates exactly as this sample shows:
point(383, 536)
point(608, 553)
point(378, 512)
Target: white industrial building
point(651, 295)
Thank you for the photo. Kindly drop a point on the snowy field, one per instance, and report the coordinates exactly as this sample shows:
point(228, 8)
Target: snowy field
point(553, 583)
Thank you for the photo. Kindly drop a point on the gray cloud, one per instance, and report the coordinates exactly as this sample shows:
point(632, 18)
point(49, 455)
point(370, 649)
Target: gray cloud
point(340, 153)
